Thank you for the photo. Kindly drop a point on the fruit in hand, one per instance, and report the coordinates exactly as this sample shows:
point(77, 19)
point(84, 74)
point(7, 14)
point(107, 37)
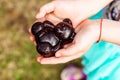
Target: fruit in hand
point(113, 10)
point(48, 24)
point(63, 30)
point(66, 20)
point(38, 26)
point(51, 38)
point(45, 49)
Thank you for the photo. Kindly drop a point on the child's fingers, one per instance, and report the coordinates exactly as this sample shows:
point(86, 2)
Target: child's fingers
point(32, 38)
point(67, 45)
point(56, 60)
point(39, 58)
point(41, 19)
point(48, 8)
point(35, 43)
point(69, 50)
point(51, 17)
point(29, 30)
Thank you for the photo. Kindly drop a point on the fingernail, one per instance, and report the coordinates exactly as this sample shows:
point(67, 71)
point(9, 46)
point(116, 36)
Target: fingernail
point(58, 55)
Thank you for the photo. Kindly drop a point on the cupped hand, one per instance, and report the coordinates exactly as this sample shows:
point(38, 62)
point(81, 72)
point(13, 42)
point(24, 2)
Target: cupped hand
point(87, 34)
point(52, 60)
point(76, 10)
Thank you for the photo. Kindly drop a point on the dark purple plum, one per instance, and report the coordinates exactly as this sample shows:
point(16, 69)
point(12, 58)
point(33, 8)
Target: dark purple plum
point(48, 24)
point(63, 30)
point(45, 49)
point(38, 35)
point(36, 27)
point(58, 46)
point(49, 37)
point(70, 39)
point(113, 10)
point(67, 20)
point(114, 13)
point(41, 33)
point(72, 36)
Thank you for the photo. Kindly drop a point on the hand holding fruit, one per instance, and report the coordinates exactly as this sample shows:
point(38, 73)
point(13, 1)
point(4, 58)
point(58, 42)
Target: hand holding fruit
point(86, 34)
point(50, 38)
point(76, 10)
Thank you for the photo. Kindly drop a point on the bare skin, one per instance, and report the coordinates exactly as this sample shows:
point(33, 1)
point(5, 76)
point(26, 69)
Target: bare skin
point(87, 32)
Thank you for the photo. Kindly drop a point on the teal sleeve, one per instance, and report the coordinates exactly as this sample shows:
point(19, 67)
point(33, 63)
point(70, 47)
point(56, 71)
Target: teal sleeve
point(102, 60)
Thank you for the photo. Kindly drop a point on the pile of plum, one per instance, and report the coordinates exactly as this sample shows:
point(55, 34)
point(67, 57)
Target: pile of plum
point(50, 38)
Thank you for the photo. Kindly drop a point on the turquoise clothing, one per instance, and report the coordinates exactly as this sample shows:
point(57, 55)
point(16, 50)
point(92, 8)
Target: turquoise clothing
point(102, 60)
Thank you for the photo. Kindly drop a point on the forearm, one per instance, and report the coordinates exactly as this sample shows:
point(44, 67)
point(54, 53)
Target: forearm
point(102, 3)
point(111, 31)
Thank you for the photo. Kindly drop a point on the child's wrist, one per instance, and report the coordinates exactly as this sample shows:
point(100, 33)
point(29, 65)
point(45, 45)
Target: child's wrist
point(97, 29)
point(100, 29)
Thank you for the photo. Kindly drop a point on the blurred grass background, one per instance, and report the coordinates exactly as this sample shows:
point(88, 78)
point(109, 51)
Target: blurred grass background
point(17, 52)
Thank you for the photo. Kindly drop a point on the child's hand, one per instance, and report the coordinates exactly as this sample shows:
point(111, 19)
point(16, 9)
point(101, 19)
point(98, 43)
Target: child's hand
point(76, 10)
point(87, 34)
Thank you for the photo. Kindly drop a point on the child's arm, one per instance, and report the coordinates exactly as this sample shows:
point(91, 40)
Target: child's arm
point(87, 34)
point(76, 10)
point(111, 31)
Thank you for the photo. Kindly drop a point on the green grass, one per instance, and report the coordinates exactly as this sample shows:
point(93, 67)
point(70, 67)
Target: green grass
point(17, 52)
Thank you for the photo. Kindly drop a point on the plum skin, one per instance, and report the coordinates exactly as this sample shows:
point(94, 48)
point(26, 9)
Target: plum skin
point(67, 20)
point(45, 49)
point(63, 30)
point(36, 27)
point(51, 38)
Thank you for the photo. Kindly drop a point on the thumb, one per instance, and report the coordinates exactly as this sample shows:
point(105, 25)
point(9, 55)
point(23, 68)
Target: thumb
point(70, 50)
point(48, 8)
